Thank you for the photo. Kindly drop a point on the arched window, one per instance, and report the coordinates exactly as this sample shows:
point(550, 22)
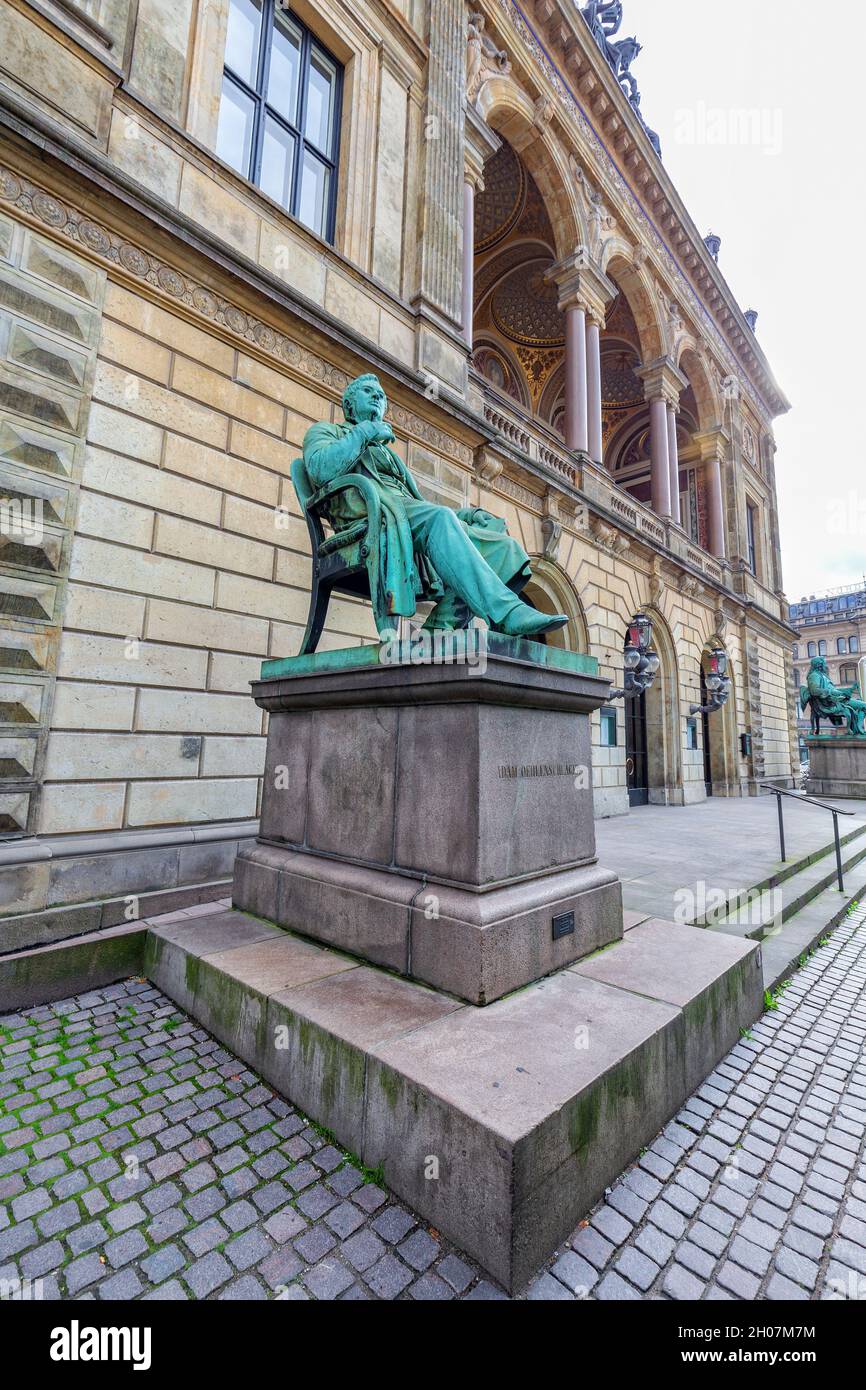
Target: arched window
point(813, 650)
point(853, 645)
point(796, 652)
point(848, 675)
point(841, 646)
point(796, 678)
point(822, 648)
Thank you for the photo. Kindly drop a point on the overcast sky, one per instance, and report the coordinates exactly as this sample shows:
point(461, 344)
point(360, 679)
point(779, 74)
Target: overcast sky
point(788, 201)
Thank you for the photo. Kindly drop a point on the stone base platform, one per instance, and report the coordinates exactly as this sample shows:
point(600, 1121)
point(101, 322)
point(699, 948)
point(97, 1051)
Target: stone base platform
point(837, 766)
point(502, 1125)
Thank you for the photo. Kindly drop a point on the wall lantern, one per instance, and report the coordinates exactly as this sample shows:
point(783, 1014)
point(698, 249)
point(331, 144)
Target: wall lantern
point(718, 683)
point(639, 660)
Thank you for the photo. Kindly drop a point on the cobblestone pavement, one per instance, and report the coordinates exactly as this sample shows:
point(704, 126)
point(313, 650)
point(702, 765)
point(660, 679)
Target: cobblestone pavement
point(138, 1158)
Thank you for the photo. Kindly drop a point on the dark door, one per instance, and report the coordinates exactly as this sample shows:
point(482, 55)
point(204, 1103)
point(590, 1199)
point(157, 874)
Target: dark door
point(708, 764)
point(636, 765)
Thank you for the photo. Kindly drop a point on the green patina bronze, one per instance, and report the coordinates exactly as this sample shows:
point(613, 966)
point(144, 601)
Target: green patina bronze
point(840, 704)
point(412, 549)
point(432, 649)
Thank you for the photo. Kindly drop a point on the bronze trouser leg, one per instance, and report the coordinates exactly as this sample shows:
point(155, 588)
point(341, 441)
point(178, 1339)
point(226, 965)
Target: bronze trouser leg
point(459, 561)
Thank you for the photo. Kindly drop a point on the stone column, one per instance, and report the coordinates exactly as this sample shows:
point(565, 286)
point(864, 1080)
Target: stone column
point(715, 510)
point(480, 142)
point(468, 259)
point(663, 384)
point(660, 457)
point(713, 446)
point(584, 293)
point(593, 379)
point(441, 212)
point(576, 414)
point(674, 462)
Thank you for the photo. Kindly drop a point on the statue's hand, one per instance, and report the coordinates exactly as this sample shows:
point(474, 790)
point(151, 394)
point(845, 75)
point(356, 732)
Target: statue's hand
point(377, 431)
point(477, 516)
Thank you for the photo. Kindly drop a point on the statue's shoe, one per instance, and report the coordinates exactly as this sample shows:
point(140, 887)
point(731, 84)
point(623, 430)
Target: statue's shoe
point(524, 621)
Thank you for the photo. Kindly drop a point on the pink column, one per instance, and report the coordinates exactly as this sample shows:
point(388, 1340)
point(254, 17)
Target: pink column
point(576, 420)
point(468, 259)
point(674, 463)
point(659, 450)
point(715, 513)
point(593, 384)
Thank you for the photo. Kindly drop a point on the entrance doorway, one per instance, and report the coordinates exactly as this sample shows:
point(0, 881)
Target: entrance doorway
point(705, 718)
point(636, 759)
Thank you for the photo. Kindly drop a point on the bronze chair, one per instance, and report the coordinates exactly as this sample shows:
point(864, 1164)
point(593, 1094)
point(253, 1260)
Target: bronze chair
point(816, 715)
point(347, 560)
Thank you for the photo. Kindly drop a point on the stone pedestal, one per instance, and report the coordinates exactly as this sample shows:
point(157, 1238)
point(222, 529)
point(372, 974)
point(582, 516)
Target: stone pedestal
point(837, 766)
point(434, 818)
point(434, 822)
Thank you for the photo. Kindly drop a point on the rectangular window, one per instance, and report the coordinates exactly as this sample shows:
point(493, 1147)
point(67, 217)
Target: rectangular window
point(608, 728)
point(751, 536)
point(279, 122)
point(691, 734)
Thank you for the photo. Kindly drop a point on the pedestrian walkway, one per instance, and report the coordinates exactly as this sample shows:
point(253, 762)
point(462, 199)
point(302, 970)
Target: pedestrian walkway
point(139, 1159)
point(726, 844)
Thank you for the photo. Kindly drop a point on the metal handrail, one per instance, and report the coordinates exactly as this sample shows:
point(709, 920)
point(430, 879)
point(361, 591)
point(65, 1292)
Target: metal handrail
point(835, 811)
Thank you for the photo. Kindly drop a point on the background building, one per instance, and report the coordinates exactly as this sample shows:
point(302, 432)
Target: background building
point(212, 215)
point(832, 624)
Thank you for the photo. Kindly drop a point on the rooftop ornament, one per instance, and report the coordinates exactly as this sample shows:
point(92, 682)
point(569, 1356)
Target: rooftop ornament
point(639, 660)
point(713, 244)
point(751, 317)
point(718, 684)
point(604, 18)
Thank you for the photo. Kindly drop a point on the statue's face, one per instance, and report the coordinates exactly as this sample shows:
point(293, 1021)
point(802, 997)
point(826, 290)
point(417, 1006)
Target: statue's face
point(369, 401)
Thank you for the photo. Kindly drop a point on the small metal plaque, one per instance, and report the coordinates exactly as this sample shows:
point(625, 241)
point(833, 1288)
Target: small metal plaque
point(563, 925)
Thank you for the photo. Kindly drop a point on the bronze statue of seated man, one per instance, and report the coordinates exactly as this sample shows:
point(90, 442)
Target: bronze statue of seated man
point(839, 704)
point(466, 560)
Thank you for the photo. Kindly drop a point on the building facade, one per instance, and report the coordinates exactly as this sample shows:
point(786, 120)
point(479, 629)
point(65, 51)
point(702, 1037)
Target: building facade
point(833, 625)
point(213, 214)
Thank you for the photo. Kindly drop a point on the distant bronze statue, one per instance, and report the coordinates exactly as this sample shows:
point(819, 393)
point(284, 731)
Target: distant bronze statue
point(834, 702)
point(390, 544)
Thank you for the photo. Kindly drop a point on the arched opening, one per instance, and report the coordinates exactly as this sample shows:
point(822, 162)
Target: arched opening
point(699, 412)
point(518, 328)
point(654, 759)
point(550, 591)
point(719, 742)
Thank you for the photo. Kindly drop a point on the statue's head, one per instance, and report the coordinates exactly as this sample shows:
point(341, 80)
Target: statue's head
point(630, 49)
point(364, 399)
point(819, 663)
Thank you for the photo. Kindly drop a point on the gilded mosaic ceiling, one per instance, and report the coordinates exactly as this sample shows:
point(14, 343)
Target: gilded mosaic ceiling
point(524, 307)
point(499, 208)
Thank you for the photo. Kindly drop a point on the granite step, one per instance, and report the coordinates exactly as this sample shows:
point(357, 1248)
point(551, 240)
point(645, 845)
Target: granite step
point(503, 1124)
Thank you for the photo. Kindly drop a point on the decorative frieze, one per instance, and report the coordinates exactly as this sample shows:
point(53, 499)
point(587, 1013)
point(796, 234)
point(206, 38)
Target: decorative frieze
point(77, 322)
